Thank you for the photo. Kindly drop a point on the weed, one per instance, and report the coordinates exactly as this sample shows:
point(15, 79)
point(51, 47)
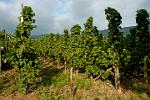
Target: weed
point(1, 85)
point(45, 95)
point(112, 97)
point(96, 99)
point(83, 83)
point(60, 80)
point(133, 97)
point(47, 74)
point(96, 94)
point(78, 97)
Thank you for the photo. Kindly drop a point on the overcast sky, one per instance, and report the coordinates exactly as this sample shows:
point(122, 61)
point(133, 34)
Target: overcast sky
point(56, 15)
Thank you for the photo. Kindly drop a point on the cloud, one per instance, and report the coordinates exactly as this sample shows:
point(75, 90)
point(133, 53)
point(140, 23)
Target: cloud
point(56, 15)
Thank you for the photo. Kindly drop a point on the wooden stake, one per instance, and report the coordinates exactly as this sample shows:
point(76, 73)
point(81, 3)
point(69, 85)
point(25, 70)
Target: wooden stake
point(1, 48)
point(0, 62)
point(117, 76)
point(118, 80)
point(21, 14)
point(65, 67)
point(71, 84)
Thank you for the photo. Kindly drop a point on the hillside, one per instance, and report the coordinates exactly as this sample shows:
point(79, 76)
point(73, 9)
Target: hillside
point(125, 30)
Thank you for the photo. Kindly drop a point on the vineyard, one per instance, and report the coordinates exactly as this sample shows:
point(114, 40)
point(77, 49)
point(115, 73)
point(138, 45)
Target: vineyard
point(78, 64)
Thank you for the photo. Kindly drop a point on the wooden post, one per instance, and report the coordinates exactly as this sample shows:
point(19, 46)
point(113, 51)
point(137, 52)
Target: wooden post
point(145, 70)
point(1, 48)
point(117, 75)
point(71, 84)
point(0, 62)
point(145, 74)
point(21, 14)
point(65, 67)
point(118, 80)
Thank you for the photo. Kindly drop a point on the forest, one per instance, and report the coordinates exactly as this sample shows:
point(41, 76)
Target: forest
point(79, 64)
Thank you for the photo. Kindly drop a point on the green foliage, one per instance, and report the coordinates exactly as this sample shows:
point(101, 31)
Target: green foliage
point(90, 43)
point(88, 25)
point(114, 35)
point(74, 46)
point(48, 96)
point(2, 37)
point(21, 55)
point(83, 83)
point(24, 59)
point(26, 77)
point(113, 97)
point(60, 80)
point(75, 30)
point(138, 44)
point(142, 20)
point(89, 51)
point(114, 19)
point(65, 44)
point(25, 26)
point(133, 97)
point(5, 39)
point(81, 48)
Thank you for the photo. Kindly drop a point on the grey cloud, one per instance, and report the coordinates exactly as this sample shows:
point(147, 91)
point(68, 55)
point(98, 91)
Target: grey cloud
point(55, 15)
point(44, 16)
point(64, 22)
point(7, 22)
point(81, 8)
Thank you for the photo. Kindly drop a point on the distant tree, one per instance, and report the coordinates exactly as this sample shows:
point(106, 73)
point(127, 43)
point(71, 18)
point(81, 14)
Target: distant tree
point(114, 19)
point(142, 20)
point(21, 55)
point(74, 45)
point(65, 44)
point(25, 26)
point(74, 52)
point(88, 26)
point(91, 51)
point(75, 30)
point(2, 37)
point(115, 39)
point(66, 34)
point(131, 40)
point(131, 47)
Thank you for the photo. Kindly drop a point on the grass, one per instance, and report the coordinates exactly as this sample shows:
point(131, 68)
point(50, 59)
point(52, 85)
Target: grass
point(47, 74)
point(133, 97)
point(112, 97)
point(7, 82)
point(55, 85)
point(83, 84)
point(45, 95)
point(59, 86)
point(1, 84)
point(60, 80)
